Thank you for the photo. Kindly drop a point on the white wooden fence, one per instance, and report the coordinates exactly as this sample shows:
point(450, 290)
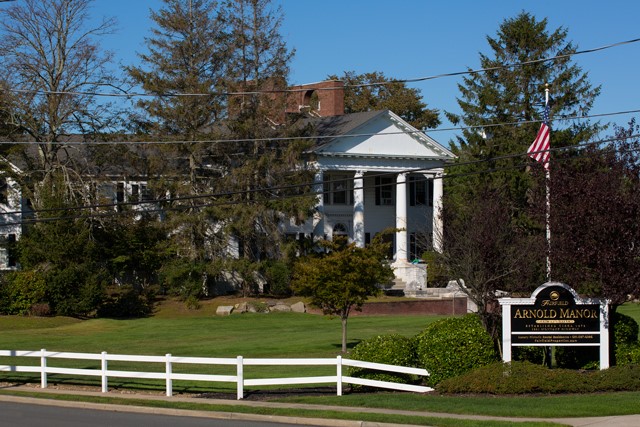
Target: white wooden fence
point(239, 362)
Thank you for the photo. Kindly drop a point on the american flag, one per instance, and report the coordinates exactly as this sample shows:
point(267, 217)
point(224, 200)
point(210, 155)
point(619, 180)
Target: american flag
point(539, 149)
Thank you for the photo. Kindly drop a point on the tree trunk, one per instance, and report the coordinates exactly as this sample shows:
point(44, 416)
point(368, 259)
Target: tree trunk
point(344, 334)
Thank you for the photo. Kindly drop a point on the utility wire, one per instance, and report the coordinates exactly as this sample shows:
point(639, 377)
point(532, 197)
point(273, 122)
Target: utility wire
point(286, 187)
point(275, 91)
point(315, 137)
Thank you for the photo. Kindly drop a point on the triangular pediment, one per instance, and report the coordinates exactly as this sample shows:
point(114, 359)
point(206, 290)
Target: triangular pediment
point(383, 135)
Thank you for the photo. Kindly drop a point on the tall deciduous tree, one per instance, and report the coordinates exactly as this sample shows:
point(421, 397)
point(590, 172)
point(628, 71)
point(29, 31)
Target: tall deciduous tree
point(374, 91)
point(52, 62)
point(343, 279)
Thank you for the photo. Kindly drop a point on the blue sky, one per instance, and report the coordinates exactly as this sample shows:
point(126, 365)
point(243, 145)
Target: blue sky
point(416, 38)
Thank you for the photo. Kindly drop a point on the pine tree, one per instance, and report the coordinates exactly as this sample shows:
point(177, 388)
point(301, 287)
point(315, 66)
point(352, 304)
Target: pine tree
point(188, 55)
point(259, 70)
point(500, 107)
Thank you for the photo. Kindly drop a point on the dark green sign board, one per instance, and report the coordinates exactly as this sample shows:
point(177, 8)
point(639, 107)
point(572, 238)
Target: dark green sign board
point(555, 316)
point(554, 310)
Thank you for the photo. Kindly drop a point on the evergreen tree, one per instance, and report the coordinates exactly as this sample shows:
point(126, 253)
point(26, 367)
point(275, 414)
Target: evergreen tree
point(362, 93)
point(184, 67)
point(268, 166)
point(61, 250)
point(501, 106)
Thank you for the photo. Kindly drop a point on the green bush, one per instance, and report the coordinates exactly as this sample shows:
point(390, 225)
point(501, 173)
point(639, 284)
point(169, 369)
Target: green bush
point(525, 378)
point(74, 291)
point(389, 349)
point(628, 354)
point(453, 346)
point(278, 277)
point(21, 291)
point(577, 357)
point(625, 329)
point(528, 354)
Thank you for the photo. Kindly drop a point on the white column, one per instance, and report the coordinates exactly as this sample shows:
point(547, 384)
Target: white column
point(437, 212)
point(401, 218)
point(318, 215)
point(358, 209)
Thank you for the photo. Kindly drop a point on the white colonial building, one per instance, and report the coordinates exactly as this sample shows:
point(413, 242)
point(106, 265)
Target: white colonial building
point(375, 172)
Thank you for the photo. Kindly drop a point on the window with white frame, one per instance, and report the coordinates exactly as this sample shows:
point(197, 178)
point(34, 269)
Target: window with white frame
point(420, 191)
point(385, 190)
point(337, 189)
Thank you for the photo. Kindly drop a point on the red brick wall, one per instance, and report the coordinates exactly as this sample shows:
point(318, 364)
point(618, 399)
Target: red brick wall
point(330, 96)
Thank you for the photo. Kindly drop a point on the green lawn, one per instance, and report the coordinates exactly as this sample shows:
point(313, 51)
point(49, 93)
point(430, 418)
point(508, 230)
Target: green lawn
point(275, 335)
point(249, 335)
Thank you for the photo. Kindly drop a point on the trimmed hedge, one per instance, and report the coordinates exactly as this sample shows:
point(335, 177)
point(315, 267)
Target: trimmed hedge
point(527, 378)
point(391, 349)
point(453, 346)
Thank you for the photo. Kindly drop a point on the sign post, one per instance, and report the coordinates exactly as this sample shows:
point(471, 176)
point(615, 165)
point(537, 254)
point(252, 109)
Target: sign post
point(555, 316)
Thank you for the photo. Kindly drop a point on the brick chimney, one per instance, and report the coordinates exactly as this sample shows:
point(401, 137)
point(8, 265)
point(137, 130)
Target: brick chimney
point(322, 99)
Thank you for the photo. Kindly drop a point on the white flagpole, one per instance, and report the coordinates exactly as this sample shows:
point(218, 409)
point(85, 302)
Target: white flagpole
point(548, 213)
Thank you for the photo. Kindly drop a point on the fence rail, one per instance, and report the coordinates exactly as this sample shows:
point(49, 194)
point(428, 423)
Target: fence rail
point(239, 362)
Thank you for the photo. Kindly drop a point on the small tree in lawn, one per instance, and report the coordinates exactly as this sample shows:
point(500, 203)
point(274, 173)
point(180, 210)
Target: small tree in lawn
point(343, 278)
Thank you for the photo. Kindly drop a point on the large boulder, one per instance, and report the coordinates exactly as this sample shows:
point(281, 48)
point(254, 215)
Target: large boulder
point(224, 310)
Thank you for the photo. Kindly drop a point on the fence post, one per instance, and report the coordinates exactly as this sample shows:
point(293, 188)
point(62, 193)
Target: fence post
point(339, 375)
point(103, 367)
point(43, 368)
point(169, 383)
point(240, 378)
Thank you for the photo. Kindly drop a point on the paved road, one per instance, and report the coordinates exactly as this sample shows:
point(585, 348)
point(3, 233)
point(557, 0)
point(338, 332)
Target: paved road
point(30, 415)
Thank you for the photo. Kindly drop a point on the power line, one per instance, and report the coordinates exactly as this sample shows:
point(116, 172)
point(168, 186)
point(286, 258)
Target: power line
point(315, 137)
point(278, 188)
point(276, 91)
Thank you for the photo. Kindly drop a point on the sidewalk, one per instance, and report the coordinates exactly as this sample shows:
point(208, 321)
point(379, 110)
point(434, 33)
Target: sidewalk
point(611, 421)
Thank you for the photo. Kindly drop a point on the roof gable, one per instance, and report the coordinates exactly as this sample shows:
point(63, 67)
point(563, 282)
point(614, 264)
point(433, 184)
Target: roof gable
point(376, 134)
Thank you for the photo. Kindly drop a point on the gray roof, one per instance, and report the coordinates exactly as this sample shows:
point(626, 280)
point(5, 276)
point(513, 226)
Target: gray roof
point(335, 126)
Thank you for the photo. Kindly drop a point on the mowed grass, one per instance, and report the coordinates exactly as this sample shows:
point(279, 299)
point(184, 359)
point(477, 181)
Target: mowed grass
point(251, 335)
point(283, 335)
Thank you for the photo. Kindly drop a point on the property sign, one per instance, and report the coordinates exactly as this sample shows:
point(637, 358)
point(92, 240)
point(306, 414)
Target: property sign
point(555, 316)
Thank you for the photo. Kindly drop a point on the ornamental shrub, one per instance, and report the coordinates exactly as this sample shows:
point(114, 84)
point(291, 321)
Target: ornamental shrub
point(127, 302)
point(391, 349)
point(625, 329)
point(453, 346)
point(628, 354)
point(21, 291)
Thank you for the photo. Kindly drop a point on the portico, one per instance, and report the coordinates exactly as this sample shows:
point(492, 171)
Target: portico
point(378, 173)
